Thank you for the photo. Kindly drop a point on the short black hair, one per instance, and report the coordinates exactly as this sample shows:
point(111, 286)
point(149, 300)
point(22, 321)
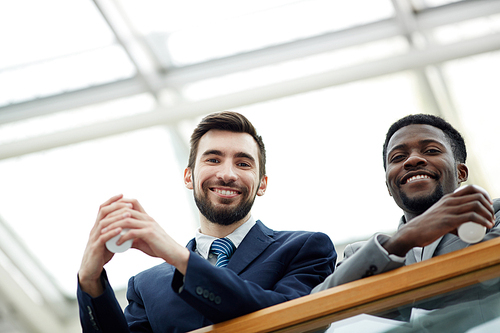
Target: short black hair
point(455, 138)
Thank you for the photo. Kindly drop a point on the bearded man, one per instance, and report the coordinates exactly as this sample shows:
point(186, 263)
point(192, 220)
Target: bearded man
point(235, 265)
point(424, 162)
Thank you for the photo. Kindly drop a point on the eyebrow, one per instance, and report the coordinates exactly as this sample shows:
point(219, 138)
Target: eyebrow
point(212, 152)
point(421, 142)
point(220, 153)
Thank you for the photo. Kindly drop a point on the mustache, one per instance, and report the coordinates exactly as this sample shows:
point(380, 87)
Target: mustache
point(222, 183)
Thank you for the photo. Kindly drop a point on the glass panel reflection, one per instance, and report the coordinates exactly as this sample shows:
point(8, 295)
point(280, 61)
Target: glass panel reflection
point(471, 309)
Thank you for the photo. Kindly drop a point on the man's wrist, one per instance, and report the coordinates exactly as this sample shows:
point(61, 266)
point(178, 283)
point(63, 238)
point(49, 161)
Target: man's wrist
point(395, 246)
point(93, 287)
point(182, 263)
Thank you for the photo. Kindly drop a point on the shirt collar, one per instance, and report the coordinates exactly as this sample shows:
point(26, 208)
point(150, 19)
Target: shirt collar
point(204, 242)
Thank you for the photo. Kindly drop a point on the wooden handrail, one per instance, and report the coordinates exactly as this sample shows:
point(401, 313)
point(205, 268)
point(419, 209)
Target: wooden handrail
point(373, 294)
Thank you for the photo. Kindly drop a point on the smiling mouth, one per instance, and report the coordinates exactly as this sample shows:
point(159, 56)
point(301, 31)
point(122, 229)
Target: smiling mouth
point(225, 192)
point(416, 177)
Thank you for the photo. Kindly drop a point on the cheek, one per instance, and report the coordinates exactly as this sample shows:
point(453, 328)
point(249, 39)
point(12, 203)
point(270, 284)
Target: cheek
point(390, 177)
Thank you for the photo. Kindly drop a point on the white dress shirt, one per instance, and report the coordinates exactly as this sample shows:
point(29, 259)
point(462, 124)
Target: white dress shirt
point(204, 242)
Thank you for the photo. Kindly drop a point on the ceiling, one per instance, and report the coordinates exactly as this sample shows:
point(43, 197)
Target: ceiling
point(100, 97)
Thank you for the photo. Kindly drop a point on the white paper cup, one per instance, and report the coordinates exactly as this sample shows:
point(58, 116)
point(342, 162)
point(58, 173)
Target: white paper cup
point(471, 232)
point(111, 244)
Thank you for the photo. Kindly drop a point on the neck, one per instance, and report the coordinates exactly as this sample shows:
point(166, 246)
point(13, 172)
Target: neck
point(409, 216)
point(217, 230)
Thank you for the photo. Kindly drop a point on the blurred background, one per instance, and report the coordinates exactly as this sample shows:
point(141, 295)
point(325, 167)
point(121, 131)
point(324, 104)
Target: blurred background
point(100, 97)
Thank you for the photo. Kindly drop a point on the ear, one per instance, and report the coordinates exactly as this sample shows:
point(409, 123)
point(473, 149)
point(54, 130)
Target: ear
point(388, 189)
point(188, 178)
point(463, 173)
point(263, 186)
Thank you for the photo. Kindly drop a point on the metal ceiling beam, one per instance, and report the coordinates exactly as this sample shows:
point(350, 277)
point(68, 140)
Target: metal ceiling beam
point(143, 58)
point(412, 60)
point(176, 77)
point(71, 100)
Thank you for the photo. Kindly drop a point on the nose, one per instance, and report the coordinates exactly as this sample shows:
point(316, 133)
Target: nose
point(414, 160)
point(227, 172)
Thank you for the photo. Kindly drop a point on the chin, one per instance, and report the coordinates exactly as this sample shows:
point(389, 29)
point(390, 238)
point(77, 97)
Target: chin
point(420, 203)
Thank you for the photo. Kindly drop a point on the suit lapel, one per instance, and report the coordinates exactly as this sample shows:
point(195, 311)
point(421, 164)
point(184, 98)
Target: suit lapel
point(430, 249)
point(252, 246)
point(191, 245)
point(413, 256)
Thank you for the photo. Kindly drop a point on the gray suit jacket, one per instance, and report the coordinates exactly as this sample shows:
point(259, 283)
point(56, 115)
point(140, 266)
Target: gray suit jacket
point(367, 258)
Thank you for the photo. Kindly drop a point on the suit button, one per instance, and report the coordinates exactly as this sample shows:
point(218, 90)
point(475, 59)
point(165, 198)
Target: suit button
point(217, 300)
point(199, 290)
point(373, 268)
point(206, 293)
point(211, 297)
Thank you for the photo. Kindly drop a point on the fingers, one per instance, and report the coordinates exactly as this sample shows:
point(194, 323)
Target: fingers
point(115, 205)
point(112, 222)
point(125, 219)
point(477, 207)
point(475, 204)
point(472, 189)
point(108, 206)
point(135, 204)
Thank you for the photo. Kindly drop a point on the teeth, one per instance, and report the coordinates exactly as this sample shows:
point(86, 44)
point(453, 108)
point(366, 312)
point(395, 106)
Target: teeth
point(225, 192)
point(417, 177)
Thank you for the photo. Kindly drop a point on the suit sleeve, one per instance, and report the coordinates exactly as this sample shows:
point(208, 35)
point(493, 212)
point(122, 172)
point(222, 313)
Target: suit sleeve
point(220, 294)
point(362, 260)
point(101, 314)
point(370, 258)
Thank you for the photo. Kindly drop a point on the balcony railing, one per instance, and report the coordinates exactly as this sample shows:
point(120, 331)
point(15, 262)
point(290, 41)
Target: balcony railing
point(406, 286)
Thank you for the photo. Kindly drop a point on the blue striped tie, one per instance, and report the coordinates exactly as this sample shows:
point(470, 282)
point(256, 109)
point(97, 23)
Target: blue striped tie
point(224, 249)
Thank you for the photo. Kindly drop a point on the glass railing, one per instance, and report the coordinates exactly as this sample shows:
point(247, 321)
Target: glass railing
point(455, 292)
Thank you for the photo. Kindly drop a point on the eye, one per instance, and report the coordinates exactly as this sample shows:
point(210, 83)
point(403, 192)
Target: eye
point(433, 151)
point(213, 160)
point(243, 164)
point(397, 158)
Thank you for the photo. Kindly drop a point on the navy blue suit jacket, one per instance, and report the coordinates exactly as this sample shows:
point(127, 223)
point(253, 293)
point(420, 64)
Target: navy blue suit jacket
point(269, 267)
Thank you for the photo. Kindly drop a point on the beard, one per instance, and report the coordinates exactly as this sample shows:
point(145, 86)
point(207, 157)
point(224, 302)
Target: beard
point(421, 204)
point(222, 214)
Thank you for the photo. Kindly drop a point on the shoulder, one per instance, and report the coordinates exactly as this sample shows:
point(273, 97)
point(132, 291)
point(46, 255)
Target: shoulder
point(297, 238)
point(300, 236)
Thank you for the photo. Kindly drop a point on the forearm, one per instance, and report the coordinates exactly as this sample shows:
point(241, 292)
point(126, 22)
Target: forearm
point(368, 259)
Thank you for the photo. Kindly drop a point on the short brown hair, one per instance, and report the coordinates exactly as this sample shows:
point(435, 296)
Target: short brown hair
point(226, 121)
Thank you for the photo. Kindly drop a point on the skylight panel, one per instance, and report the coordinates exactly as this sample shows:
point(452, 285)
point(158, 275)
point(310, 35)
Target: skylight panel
point(37, 31)
point(222, 28)
point(473, 84)
point(289, 70)
point(469, 29)
point(56, 76)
